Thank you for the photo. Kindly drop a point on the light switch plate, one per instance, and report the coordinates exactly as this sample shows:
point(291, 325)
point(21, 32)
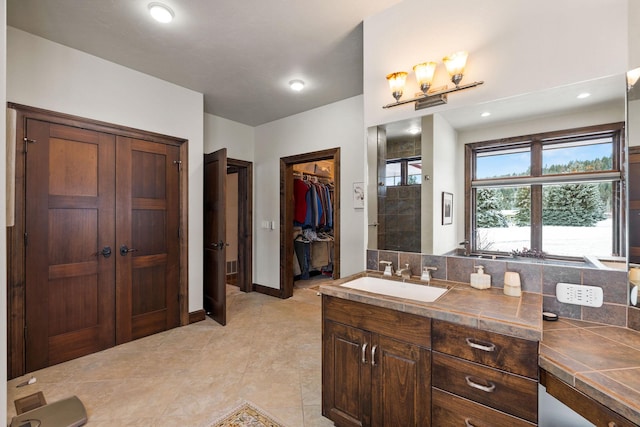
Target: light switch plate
point(570, 293)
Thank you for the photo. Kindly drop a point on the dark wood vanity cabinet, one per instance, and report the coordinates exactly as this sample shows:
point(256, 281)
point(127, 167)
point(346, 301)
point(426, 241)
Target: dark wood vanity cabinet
point(376, 366)
point(482, 378)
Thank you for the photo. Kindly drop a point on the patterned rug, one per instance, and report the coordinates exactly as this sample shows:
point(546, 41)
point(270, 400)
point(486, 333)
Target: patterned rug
point(247, 415)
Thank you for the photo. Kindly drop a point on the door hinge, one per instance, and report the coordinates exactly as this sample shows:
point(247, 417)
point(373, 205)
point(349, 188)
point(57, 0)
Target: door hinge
point(25, 332)
point(26, 239)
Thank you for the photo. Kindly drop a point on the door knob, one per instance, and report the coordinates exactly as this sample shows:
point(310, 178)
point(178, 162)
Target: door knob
point(105, 252)
point(219, 245)
point(124, 250)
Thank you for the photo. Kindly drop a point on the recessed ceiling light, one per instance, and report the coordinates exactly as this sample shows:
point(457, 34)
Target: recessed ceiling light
point(485, 114)
point(584, 95)
point(296, 85)
point(414, 130)
point(161, 13)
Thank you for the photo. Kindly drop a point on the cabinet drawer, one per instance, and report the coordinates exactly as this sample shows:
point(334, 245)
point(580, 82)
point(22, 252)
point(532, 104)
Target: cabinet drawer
point(405, 327)
point(506, 392)
point(449, 410)
point(511, 354)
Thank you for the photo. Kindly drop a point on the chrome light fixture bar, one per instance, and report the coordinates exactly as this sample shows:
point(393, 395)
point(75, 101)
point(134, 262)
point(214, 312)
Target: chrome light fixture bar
point(424, 72)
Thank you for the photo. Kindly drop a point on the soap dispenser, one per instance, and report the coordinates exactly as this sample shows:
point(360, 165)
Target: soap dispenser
point(480, 279)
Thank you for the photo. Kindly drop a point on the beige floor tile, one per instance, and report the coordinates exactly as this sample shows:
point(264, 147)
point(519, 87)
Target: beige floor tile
point(269, 353)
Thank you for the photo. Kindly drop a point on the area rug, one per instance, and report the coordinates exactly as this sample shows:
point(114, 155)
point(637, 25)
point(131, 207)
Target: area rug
point(247, 415)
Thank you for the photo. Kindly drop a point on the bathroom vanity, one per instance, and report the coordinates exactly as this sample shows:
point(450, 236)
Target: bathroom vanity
point(471, 357)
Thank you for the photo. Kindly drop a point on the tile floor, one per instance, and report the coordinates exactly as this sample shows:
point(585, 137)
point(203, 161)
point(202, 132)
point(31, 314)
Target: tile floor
point(269, 353)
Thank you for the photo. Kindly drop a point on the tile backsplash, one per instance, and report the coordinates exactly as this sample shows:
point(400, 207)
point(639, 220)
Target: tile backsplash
point(538, 278)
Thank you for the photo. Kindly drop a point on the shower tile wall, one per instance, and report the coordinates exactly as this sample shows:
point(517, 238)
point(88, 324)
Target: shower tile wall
point(399, 207)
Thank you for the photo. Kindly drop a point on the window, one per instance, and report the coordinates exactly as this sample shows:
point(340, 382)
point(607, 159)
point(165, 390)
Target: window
point(557, 193)
point(406, 171)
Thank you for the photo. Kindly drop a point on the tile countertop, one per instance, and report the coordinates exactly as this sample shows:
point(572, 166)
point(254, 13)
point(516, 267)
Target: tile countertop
point(488, 309)
point(599, 360)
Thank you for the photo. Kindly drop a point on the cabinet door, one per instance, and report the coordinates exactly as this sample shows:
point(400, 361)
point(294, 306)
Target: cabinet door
point(401, 384)
point(346, 375)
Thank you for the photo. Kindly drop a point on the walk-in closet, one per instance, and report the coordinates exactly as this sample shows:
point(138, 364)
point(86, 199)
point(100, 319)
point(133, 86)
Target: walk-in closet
point(313, 228)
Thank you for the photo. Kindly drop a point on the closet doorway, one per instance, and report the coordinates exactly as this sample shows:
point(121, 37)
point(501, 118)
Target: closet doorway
point(325, 220)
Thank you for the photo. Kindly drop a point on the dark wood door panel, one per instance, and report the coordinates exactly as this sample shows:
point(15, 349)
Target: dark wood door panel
point(148, 232)
point(70, 217)
point(61, 289)
point(346, 376)
point(214, 235)
point(401, 390)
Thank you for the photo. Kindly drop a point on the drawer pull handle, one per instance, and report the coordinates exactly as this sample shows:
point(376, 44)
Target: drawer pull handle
point(481, 346)
point(611, 424)
point(486, 388)
point(373, 355)
point(468, 423)
point(364, 353)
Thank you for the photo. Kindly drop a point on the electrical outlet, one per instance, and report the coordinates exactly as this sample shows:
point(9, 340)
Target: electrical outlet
point(570, 293)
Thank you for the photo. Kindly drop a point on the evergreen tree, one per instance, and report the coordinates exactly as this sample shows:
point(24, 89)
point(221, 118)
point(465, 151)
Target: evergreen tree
point(572, 205)
point(523, 206)
point(488, 202)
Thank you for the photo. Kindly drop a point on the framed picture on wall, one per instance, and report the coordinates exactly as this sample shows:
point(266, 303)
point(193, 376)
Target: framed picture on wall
point(447, 208)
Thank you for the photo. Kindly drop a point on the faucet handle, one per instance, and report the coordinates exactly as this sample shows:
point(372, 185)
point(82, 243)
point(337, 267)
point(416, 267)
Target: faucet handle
point(430, 268)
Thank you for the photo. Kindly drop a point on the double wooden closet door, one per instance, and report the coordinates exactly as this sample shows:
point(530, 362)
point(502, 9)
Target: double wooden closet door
point(102, 251)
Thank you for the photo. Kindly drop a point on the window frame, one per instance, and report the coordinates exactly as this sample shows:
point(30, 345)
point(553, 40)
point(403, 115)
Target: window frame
point(537, 179)
point(404, 170)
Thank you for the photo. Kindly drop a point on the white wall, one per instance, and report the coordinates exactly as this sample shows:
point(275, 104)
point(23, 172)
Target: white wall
point(634, 34)
point(237, 138)
point(446, 178)
point(602, 114)
point(3, 234)
point(335, 125)
point(516, 47)
point(48, 75)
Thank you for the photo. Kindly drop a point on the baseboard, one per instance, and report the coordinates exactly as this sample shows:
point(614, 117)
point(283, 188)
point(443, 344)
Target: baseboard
point(272, 292)
point(197, 316)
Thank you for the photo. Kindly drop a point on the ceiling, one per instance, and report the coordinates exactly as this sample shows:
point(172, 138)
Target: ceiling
point(554, 101)
point(239, 54)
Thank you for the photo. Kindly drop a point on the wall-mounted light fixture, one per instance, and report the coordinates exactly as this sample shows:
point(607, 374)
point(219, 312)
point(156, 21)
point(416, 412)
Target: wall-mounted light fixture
point(424, 72)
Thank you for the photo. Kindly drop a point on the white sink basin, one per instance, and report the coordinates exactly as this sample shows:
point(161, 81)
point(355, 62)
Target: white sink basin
point(396, 289)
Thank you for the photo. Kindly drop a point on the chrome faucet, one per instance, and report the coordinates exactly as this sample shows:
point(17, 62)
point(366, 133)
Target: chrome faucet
point(466, 247)
point(426, 273)
point(405, 272)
